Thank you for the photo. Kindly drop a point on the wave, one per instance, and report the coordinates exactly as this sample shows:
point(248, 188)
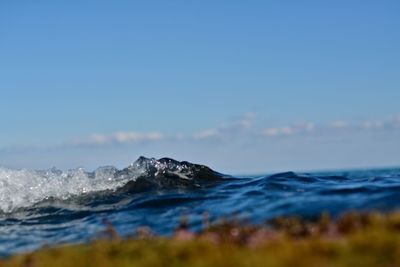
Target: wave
point(55, 207)
point(24, 188)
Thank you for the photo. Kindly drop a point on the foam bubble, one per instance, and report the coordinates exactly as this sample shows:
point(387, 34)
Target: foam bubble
point(23, 188)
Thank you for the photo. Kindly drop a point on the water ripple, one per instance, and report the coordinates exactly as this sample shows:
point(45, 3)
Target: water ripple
point(55, 207)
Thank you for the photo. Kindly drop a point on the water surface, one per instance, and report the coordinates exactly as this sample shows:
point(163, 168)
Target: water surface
point(51, 207)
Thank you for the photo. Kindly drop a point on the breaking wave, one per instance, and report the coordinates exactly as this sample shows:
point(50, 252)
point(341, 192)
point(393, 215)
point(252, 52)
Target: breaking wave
point(25, 188)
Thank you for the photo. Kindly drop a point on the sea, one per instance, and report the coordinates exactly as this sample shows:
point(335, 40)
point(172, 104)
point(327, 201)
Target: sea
point(54, 207)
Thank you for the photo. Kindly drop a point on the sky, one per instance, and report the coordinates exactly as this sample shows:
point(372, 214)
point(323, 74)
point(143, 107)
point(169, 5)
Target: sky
point(241, 86)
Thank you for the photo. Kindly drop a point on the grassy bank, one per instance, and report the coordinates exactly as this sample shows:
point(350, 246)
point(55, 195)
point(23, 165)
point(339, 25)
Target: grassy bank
point(352, 240)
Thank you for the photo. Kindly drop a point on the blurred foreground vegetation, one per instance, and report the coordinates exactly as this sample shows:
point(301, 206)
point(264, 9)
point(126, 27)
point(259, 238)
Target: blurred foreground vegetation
point(353, 240)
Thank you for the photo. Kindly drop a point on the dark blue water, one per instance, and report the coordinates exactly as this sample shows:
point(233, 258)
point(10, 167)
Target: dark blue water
point(54, 207)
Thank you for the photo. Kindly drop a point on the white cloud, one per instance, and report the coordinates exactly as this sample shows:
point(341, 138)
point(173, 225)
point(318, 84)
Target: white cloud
point(391, 123)
point(373, 125)
point(247, 120)
point(368, 125)
point(207, 134)
point(288, 130)
point(100, 139)
point(121, 138)
point(241, 128)
point(227, 129)
point(136, 137)
point(339, 125)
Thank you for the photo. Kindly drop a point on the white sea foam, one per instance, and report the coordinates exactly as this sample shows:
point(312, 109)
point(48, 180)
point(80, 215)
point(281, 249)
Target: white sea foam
point(23, 188)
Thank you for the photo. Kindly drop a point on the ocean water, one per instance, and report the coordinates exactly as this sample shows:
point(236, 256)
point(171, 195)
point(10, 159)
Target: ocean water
point(51, 207)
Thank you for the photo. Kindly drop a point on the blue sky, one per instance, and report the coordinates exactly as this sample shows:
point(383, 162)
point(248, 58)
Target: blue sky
point(253, 86)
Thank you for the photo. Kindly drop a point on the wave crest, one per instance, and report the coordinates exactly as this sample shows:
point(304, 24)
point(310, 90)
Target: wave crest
point(24, 188)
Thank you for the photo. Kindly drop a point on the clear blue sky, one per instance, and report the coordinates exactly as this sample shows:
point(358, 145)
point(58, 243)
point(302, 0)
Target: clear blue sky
point(243, 86)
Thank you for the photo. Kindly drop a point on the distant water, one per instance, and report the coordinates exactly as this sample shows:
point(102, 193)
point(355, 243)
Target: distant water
point(54, 207)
